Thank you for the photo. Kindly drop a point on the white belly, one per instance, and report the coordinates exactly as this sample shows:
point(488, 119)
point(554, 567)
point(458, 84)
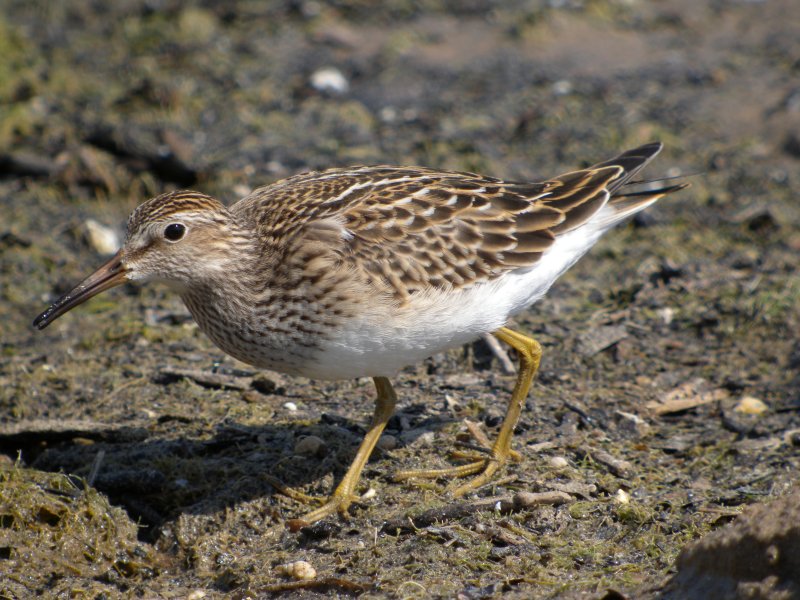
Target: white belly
point(381, 342)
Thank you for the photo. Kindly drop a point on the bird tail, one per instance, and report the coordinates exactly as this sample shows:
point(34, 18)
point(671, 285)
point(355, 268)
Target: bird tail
point(606, 193)
point(627, 196)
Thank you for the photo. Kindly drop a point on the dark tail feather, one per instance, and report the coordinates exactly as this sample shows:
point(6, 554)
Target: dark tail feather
point(587, 194)
point(626, 203)
point(632, 161)
point(656, 192)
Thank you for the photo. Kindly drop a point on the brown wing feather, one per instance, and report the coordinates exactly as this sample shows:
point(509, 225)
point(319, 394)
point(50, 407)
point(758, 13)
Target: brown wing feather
point(407, 229)
point(458, 229)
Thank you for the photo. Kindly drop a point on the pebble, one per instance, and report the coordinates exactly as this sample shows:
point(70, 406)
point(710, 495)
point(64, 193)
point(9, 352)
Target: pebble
point(751, 406)
point(242, 190)
point(562, 87)
point(558, 463)
point(102, 238)
point(290, 406)
point(632, 424)
point(310, 445)
point(387, 442)
point(299, 569)
point(622, 497)
point(329, 80)
point(388, 114)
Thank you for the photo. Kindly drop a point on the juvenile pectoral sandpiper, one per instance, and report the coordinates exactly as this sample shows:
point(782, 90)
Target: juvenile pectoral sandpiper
point(359, 272)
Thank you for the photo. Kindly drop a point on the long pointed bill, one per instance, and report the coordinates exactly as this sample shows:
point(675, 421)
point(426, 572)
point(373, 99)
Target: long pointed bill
point(111, 274)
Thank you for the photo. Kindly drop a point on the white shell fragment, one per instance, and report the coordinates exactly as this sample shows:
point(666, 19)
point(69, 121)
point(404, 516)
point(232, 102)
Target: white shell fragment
point(329, 80)
point(299, 569)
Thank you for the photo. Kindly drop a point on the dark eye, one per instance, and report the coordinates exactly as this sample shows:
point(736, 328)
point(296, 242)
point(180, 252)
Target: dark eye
point(175, 231)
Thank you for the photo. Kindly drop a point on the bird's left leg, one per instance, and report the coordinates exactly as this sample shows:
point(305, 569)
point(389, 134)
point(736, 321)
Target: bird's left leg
point(530, 354)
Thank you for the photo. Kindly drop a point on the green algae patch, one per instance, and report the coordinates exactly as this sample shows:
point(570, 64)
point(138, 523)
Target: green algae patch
point(60, 536)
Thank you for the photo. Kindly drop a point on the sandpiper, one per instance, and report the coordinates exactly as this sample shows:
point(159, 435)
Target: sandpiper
point(361, 271)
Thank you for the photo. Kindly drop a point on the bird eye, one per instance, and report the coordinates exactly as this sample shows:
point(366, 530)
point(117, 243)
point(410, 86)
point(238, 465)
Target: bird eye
point(175, 231)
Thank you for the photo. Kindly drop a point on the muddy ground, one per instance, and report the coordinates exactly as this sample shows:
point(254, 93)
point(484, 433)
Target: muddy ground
point(135, 451)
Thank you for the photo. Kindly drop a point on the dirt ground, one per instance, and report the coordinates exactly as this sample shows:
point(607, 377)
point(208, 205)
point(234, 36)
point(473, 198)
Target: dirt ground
point(134, 453)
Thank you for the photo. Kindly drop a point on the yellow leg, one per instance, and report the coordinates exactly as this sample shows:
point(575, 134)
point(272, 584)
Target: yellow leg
point(530, 353)
point(342, 497)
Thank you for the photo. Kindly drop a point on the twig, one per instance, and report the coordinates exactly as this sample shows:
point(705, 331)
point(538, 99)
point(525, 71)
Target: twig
point(499, 353)
point(580, 411)
point(502, 504)
point(98, 460)
point(352, 587)
point(205, 378)
point(617, 466)
point(477, 433)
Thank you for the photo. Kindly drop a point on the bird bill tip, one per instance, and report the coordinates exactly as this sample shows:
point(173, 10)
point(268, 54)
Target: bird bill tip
point(110, 274)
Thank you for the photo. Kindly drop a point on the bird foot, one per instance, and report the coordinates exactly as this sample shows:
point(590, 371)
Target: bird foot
point(336, 504)
point(339, 502)
point(486, 460)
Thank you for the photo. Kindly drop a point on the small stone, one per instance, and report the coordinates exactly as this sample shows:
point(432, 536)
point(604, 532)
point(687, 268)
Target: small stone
point(310, 445)
point(631, 424)
point(290, 406)
point(251, 396)
point(388, 114)
point(751, 406)
point(622, 497)
point(387, 442)
point(196, 595)
point(242, 190)
point(369, 494)
point(264, 384)
point(299, 569)
point(598, 339)
point(562, 87)
point(414, 438)
point(102, 238)
point(558, 463)
point(329, 80)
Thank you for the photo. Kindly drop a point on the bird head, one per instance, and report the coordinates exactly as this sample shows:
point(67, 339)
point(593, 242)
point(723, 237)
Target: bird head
point(181, 238)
